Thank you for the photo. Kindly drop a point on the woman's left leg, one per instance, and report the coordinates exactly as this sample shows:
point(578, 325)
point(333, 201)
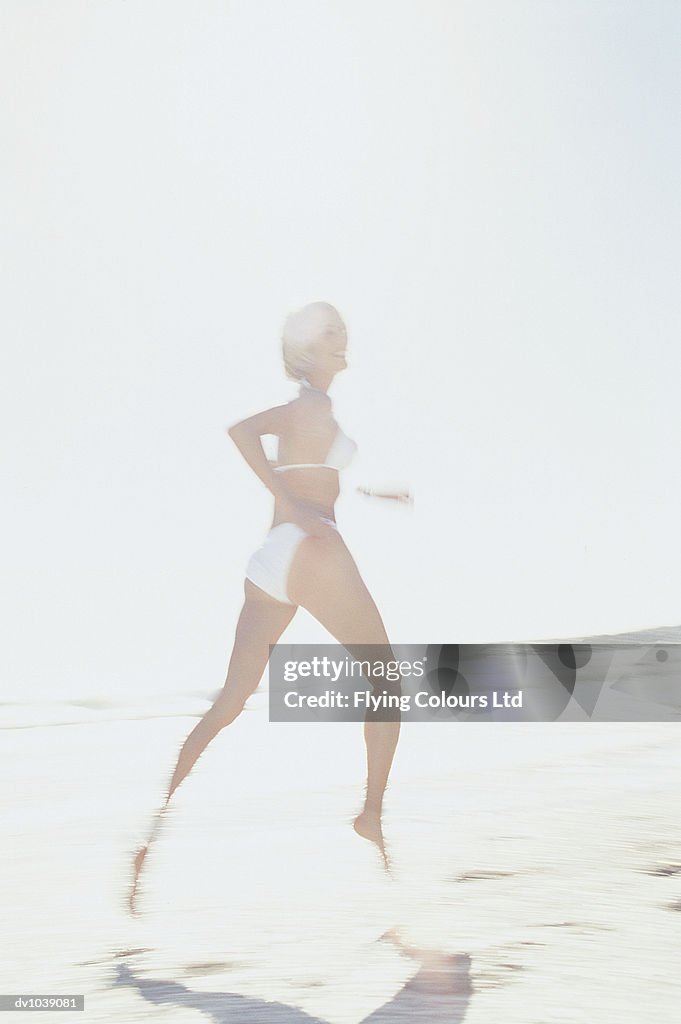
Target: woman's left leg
point(261, 622)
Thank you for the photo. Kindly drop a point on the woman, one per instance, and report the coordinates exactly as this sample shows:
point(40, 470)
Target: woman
point(303, 561)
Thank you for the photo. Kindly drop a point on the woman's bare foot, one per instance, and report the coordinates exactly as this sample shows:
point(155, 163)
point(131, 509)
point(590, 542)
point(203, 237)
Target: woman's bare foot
point(368, 826)
point(137, 869)
point(140, 856)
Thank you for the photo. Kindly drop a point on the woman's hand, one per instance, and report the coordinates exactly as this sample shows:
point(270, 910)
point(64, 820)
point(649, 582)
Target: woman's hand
point(405, 497)
point(310, 519)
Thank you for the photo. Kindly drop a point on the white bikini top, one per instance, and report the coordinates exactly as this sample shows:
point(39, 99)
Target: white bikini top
point(339, 455)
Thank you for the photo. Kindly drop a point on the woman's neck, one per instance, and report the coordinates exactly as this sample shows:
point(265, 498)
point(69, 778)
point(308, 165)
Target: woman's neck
point(321, 386)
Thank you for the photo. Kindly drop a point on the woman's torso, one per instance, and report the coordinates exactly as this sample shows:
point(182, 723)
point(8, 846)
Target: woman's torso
point(313, 440)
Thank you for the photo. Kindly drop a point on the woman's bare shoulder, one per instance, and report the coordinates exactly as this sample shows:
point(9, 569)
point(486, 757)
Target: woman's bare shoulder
point(269, 421)
point(308, 410)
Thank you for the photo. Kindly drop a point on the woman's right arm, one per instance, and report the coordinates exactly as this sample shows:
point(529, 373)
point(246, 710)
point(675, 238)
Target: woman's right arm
point(246, 436)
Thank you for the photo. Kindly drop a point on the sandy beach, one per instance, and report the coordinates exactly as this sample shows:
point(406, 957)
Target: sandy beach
point(537, 876)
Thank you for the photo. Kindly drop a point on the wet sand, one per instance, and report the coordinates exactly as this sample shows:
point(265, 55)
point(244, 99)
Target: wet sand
point(537, 873)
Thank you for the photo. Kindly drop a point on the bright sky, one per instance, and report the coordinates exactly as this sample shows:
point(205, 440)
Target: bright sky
point(489, 192)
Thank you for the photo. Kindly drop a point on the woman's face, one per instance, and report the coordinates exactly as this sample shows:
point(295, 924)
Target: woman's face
point(328, 351)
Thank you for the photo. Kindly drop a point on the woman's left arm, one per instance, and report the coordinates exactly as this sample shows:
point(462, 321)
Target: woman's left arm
point(406, 497)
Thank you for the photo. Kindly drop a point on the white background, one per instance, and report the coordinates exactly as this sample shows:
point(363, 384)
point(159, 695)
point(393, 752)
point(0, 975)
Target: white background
point(489, 192)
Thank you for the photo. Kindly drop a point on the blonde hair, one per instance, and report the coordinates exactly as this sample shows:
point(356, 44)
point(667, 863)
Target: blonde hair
point(301, 329)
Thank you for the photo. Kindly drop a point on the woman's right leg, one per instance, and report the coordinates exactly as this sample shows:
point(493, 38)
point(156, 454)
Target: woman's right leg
point(325, 580)
point(261, 622)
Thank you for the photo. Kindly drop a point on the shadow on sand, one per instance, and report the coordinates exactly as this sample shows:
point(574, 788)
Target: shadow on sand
point(438, 992)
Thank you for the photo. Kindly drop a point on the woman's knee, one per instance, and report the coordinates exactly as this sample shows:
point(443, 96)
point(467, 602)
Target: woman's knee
point(227, 707)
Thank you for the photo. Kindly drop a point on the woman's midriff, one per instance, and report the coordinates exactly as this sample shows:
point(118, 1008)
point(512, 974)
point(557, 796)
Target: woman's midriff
point(317, 488)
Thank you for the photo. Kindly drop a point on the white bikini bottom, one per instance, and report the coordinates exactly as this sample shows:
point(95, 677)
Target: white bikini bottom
point(269, 566)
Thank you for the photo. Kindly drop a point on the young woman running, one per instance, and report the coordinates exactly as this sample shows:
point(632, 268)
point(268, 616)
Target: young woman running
point(304, 560)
